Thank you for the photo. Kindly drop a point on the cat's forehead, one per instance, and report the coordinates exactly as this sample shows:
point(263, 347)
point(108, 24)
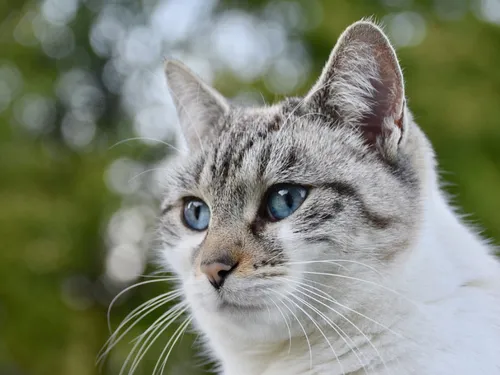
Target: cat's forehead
point(257, 121)
point(250, 122)
point(241, 148)
point(260, 147)
point(253, 148)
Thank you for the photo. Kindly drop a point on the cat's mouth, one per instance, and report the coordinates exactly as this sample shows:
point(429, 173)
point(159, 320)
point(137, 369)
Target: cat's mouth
point(236, 295)
point(252, 299)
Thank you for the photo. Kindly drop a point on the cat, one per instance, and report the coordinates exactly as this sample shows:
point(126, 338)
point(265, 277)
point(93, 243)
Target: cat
point(311, 236)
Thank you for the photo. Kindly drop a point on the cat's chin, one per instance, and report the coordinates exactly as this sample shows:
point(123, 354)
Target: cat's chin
point(231, 310)
point(235, 308)
point(229, 303)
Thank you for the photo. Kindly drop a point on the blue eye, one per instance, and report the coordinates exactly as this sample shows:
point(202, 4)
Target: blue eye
point(283, 200)
point(196, 214)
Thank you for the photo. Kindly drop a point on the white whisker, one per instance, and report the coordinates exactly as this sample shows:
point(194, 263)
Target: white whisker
point(175, 337)
point(286, 323)
point(316, 325)
point(160, 324)
point(144, 172)
point(331, 299)
point(129, 288)
point(303, 330)
point(308, 289)
point(144, 309)
point(367, 282)
point(336, 261)
point(336, 328)
point(145, 139)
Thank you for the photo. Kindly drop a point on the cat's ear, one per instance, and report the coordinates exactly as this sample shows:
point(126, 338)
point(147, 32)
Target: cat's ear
point(362, 85)
point(199, 106)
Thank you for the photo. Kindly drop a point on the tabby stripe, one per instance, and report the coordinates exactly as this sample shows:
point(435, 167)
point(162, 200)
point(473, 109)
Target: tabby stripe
point(238, 160)
point(213, 167)
point(166, 209)
point(227, 156)
point(170, 231)
point(198, 169)
point(347, 190)
point(290, 160)
point(265, 156)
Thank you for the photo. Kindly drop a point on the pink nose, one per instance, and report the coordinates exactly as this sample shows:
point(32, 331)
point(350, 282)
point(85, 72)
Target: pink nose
point(217, 272)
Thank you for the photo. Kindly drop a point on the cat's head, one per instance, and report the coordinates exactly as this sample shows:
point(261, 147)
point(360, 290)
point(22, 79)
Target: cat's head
point(268, 206)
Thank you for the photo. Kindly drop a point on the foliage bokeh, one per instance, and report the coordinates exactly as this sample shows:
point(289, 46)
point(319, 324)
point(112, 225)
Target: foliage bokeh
point(84, 115)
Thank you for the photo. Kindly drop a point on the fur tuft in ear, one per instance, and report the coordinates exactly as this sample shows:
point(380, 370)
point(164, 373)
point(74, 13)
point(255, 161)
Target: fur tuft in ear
point(199, 106)
point(362, 86)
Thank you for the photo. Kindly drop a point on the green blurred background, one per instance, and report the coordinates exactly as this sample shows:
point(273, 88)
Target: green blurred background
point(84, 112)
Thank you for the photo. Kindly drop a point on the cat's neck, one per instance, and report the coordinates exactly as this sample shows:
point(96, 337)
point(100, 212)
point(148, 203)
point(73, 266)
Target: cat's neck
point(446, 253)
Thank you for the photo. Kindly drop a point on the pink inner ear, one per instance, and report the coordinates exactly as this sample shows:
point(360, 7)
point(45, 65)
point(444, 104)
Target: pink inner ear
point(388, 98)
point(386, 102)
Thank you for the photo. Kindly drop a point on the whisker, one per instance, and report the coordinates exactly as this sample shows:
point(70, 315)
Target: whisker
point(307, 289)
point(160, 324)
point(316, 325)
point(331, 299)
point(335, 261)
point(176, 336)
point(145, 139)
point(303, 330)
point(145, 309)
point(286, 323)
point(162, 298)
point(129, 288)
point(367, 282)
point(159, 272)
point(336, 328)
point(143, 172)
point(153, 276)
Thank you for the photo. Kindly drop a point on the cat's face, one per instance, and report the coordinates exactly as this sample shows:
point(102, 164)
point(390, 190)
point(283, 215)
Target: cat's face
point(270, 206)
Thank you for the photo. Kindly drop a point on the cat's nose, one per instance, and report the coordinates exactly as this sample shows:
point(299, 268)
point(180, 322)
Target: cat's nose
point(217, 272)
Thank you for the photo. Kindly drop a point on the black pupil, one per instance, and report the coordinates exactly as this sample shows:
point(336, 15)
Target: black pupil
point(287, 197)
point(196, 210)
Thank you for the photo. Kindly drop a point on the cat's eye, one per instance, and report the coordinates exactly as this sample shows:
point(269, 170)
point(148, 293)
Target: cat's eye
point(196, 214)
point(283, 200)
